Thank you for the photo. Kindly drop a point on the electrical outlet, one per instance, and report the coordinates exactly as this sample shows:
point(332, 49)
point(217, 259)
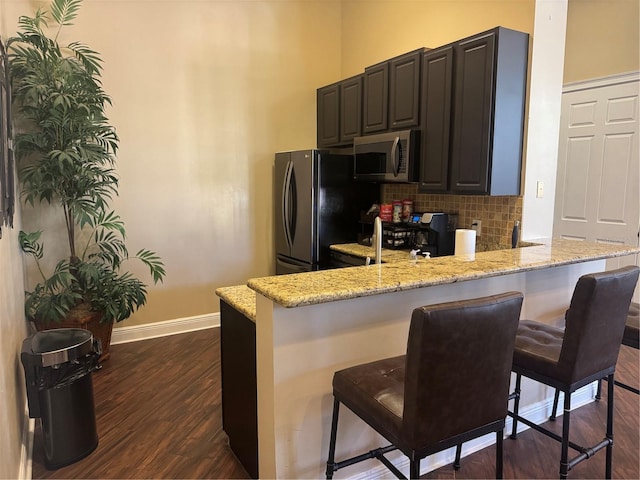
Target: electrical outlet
point(477, 226)
point(540, 189)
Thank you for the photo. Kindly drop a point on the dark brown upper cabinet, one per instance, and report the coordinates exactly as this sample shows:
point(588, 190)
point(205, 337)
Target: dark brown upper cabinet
point(339, 112)
point(437, 83)
point(376, 98)
point(489, 87)
point(350, 109)
point(404, 90)
point(467, 99)
point(392, 93)
point(328, 115)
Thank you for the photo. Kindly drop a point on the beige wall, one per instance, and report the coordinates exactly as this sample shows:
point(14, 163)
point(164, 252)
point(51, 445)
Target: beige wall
point(379, 29)
point(204, 93)
point(12, 332)
point(603, 38)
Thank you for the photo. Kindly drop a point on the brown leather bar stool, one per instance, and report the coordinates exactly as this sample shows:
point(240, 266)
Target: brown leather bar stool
point(585, 351)
point(632, 328)
point(630, 338)
point(451, 386)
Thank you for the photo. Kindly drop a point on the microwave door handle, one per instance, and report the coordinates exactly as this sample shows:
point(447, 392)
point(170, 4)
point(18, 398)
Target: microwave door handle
point(394, 156)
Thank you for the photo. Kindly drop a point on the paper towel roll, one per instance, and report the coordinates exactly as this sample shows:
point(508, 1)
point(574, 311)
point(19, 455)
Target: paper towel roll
point(465, 242)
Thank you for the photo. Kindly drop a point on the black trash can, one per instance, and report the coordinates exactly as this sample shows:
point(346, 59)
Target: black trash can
point(58, 366)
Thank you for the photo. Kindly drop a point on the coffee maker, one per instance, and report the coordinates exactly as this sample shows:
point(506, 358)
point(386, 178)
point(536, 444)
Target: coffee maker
point(434, 233)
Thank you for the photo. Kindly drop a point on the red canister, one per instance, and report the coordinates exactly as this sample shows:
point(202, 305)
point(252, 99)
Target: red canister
point(397, 211)
point(407, 209)
point(386, 212)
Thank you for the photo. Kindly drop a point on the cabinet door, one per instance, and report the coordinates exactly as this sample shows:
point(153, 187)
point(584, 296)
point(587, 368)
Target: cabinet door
point(509, 93)
point(328, 115)
point(350, 109)
point(376, 98)
point(437, 70)
point(473, 98)
point(239, 385)
point(404, 90)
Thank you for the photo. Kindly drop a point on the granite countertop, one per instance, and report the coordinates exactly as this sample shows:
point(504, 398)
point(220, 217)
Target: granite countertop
point(357, 250)
point(240, 297)
point(310, 288)
point(389, 255)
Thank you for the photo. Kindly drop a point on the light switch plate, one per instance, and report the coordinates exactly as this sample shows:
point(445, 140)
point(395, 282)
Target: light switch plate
point(477, 226)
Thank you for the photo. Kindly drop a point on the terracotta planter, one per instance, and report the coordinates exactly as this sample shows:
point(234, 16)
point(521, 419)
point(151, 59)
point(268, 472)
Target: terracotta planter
point(82, 317)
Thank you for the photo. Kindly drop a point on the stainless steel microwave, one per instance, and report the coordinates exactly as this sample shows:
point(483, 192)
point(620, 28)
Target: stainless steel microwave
point(387, 157)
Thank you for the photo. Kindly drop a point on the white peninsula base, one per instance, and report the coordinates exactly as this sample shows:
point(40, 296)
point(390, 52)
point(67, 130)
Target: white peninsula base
point(299, 349)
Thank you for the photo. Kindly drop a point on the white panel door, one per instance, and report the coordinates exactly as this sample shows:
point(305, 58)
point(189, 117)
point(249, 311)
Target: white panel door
point(598, 183)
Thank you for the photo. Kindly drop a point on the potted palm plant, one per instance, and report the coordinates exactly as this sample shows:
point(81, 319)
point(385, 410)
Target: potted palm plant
point(66, 152)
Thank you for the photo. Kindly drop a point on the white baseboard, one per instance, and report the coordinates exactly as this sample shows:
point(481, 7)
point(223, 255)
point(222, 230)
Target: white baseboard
point(537, 413)
point(26, 450)
point(147, 331)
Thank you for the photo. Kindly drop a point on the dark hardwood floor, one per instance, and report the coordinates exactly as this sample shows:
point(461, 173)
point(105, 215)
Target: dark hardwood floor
point(158, 416)
point(534, 455)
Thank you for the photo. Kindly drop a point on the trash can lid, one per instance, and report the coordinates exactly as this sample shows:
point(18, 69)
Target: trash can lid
point(61, 345)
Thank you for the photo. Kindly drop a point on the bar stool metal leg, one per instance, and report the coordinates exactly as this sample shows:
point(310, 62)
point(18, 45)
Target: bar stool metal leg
point(556, 397)
point(566, 418)
point(499, 453)
point(332, 441)
point(610, 385)
point(414, 469)
point(456, 462)
point(516, 404)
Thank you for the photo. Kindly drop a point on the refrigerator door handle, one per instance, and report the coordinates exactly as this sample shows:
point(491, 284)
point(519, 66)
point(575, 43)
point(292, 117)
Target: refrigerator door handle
point(286, 204)
point(293, 205)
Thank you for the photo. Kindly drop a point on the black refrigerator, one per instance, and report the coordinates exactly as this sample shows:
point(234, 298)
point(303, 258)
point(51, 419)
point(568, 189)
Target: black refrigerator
point(317, 204)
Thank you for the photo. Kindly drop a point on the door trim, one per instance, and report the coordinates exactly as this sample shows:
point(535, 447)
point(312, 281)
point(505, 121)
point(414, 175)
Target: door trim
point(599, 82)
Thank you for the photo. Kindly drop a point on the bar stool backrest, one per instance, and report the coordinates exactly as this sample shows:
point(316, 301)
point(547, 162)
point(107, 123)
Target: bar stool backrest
point(595, 323)
point(458, 366)
point(632, 328)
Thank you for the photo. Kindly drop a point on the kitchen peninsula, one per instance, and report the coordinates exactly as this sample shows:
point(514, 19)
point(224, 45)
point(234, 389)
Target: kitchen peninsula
point(309, 325)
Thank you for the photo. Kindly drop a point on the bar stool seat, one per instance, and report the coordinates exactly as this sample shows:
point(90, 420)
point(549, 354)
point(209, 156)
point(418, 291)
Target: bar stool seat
point(451, 386)
point(538, 345)
point(371, 386)
point(585, 351)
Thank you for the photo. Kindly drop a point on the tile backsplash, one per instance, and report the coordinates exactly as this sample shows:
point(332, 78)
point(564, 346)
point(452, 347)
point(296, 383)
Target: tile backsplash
point(498, 214)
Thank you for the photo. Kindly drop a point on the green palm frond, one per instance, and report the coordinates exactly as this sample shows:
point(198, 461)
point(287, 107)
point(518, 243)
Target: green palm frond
point(89, 58)
point(153, 261)
point(30, 245)
point(64, 11)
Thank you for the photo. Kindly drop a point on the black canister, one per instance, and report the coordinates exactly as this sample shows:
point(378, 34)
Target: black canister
point(515, 234)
